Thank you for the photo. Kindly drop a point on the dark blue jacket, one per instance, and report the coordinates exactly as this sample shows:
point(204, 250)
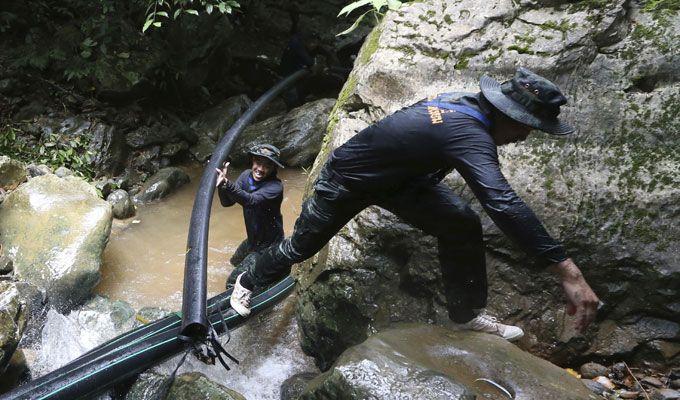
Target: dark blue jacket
point(261, 202)
point(419, 144)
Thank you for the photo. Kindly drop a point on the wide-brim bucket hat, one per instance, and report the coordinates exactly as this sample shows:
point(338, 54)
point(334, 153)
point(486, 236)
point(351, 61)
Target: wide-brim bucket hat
point(267, 151)
point(528, 98)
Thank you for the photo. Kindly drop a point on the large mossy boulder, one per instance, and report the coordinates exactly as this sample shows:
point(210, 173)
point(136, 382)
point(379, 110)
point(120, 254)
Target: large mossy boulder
point(427, 362)
point(298, 134)
point(12, 173)
point(55, 230)
point(12, 321)
point(610, 192)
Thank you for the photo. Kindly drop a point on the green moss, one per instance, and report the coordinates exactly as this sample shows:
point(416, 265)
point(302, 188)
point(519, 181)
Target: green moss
point(491, 58)
point(447, 19)
point(528, 39)
point(520, 49)
point(436, 53)
point(406, 50)
point(462, 63)
point(345, 93)
point(658, 5)
point(591, 5)
point(370, 46)
point(562, 26)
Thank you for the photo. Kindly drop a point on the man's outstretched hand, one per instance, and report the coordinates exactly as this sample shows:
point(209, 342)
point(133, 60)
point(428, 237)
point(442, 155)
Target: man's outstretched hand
point(581, 300)
point(222, 174)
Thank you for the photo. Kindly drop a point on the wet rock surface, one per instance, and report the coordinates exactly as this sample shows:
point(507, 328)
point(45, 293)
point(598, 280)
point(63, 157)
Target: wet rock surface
point(196, 386)
point(13, 316)
point(55, 230)
point(292, 388)
point(609, 192)
point(418, 361)
point(665, 394)
point(297, 134)
point(591, 370)
point(148, 386)
point(161, 184)
point(37, 170)
point(121, 204)
point(12, 173)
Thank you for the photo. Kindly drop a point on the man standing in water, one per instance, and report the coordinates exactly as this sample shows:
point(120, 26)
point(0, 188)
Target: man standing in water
point(260, 193)
point(398, 163)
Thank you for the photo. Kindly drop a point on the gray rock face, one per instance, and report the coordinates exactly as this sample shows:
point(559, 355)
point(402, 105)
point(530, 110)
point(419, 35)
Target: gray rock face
point(426, 362)
point(121, 204)
point(108, 146)
point(37, 170)
point(161, 184)
point(6, 265)
point(12, 173)
point(591, 370)
point(148, 135)
point(55, 230)
point(12, 321)
point(665, 394)
point(213, 123)
point(196, 386)
point(149, 386)
point(292, 388)
point(609, 193)
point(297, 134)
point(63, 172)
point(106, 142)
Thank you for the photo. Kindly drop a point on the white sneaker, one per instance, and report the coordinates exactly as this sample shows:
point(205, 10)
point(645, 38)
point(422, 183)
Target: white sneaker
point(486, 323)
point(240, 298)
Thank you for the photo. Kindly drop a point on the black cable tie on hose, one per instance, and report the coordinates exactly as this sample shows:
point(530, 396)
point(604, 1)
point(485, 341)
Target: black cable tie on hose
point(209, 349)
point(219, 349)
point(223, 322)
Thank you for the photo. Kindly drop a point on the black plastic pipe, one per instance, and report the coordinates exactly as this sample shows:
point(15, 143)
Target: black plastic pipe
point(194, 297)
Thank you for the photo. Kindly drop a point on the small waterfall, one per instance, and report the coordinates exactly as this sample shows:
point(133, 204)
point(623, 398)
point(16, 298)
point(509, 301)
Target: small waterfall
point(267, 346)
point(268, 350)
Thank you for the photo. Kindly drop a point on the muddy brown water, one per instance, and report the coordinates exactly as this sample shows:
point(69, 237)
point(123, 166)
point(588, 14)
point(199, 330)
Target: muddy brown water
point(143, 262)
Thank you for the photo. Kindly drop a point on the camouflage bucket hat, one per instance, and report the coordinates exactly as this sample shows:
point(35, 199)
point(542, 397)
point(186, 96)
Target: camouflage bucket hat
point(267, 151)
point(528, 98)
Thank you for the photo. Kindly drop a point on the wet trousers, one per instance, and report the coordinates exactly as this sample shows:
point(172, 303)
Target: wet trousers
point(433, 208)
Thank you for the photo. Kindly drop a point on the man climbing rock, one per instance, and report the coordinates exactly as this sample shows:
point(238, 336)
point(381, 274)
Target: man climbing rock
point(398, 163)
point(260, 193)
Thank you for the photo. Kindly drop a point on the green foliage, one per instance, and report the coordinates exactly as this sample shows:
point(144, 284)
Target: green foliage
point(54, 150)
point(6, 20)
point(657, 5)
point(157, 10)
point(376, 8)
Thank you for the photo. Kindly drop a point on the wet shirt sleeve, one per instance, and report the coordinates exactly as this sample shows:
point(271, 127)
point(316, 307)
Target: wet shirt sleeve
point(268, 191)
point(476, 159)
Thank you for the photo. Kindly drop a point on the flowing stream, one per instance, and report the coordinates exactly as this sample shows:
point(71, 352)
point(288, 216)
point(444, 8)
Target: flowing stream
point(144, 266)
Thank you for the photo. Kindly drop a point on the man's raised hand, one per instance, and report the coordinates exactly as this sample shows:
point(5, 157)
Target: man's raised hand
point(222, 174)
